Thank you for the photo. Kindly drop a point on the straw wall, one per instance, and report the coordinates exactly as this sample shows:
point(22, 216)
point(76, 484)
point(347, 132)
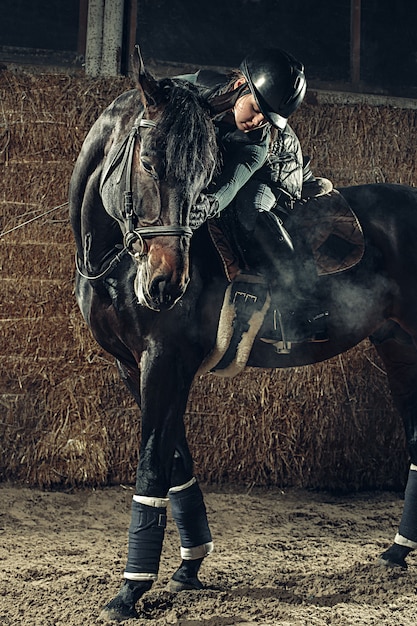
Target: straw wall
point(66, 419)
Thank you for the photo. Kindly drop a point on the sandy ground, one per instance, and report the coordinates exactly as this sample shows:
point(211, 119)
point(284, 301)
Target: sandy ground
point(287, 558)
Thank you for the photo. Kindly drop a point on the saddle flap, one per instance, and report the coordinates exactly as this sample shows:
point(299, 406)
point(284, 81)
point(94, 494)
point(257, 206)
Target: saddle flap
point(332, 231)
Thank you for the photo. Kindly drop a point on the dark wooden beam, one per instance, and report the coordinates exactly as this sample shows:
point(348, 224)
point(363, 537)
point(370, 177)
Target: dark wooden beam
point(82, 27)
point(130, 41)
point(355, 41)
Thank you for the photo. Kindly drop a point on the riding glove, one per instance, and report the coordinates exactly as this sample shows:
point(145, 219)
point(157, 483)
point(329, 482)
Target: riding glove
point(207, 206)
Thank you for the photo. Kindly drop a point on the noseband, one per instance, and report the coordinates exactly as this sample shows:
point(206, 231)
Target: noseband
point(139, 234)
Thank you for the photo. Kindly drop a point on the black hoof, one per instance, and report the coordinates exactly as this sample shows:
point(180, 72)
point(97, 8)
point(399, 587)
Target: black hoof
point(388, 563)
point(185, 578)
point(189, 584)
point(394, 556)
point(116, 611)
point(122, 607)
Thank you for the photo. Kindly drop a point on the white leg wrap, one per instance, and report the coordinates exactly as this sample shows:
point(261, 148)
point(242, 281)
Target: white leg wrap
point(198, 552)
point(149, 501)
point(403, 541)
point(146, 534)
point(407, 532)
point(140, 577)
point(182, 487)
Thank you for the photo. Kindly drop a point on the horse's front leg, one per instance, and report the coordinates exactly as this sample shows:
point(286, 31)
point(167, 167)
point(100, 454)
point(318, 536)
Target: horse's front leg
point(165, 384)
point(189, 513)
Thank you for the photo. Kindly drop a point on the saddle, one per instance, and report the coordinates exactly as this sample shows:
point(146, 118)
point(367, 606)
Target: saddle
point(326, 224)
point(330, 230)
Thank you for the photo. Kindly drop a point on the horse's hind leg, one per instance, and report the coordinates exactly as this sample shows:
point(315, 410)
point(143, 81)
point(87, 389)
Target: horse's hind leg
point(189, 513)
point(399, 354)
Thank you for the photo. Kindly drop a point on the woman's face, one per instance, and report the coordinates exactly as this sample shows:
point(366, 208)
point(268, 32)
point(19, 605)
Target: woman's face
point(246, 112)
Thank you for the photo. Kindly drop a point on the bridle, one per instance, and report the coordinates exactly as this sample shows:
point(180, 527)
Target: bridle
point(133, 234)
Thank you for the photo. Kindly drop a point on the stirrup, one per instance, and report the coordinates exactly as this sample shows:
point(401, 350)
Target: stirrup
point(310, 330)
point(278, 338)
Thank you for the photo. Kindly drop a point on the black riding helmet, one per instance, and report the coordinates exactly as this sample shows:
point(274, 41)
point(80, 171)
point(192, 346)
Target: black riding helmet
point(277, 82)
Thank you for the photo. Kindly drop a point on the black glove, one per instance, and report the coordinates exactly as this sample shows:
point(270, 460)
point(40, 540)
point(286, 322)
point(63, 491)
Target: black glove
point(207, 206)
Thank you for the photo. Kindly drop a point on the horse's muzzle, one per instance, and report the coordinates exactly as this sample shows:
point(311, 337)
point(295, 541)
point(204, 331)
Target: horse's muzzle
point(163, 295)
point(162, 277)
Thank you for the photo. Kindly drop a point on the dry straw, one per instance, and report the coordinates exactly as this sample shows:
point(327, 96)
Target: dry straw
point(65, 417)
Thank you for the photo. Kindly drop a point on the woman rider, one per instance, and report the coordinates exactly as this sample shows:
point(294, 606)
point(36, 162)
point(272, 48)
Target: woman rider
point(262, 162)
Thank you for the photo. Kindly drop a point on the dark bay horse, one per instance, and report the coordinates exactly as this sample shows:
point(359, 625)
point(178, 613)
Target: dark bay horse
point(151, 292)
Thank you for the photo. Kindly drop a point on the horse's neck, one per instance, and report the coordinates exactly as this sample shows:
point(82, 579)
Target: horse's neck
point(99, 233)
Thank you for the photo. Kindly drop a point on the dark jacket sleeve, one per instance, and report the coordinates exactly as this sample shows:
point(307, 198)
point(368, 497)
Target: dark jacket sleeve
point(283, 167)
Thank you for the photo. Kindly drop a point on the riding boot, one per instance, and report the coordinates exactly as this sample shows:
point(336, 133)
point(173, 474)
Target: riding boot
point(294, 318)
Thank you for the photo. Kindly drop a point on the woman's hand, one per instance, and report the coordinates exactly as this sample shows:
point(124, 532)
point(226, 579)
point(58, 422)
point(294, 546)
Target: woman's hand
point(206, 207)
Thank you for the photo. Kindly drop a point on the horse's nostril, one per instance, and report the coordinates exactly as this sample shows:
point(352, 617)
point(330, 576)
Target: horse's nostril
point(163, 292)
point(160, 290)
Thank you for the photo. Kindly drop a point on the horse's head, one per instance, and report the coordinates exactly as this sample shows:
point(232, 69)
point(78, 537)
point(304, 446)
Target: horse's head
point(165, 162)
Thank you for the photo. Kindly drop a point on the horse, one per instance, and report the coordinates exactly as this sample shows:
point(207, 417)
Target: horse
point(151, 291)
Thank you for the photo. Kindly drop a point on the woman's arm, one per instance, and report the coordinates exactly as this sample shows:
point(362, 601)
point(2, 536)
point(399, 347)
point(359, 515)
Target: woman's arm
point(241, 160)
point(240, 163)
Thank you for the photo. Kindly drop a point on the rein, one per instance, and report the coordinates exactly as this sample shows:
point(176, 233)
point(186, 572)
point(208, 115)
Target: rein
point(110, 267)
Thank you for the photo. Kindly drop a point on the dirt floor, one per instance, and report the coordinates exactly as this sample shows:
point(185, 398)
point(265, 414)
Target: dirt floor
point(281, 558)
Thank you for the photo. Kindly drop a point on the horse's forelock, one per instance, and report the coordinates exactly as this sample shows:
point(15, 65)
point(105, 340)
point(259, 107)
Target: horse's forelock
point(187, 132)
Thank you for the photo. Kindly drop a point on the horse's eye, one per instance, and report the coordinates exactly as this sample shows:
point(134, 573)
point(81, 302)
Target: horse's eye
point(149, 168)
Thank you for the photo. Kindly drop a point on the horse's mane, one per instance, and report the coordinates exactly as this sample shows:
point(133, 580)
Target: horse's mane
point(187, 132)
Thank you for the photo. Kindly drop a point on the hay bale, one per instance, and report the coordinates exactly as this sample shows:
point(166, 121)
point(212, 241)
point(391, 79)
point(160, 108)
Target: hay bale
point(359, 144)
point(37, 260)
point(327, 426)
point(24, 297)
point(66, 418)
point(33, 186)
point(58, 429)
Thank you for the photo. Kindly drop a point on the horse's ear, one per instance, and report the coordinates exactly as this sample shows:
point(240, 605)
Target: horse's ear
point(145, 82)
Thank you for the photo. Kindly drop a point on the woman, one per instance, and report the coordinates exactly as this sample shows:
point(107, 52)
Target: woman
point(251, 108)
point(262, 163)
